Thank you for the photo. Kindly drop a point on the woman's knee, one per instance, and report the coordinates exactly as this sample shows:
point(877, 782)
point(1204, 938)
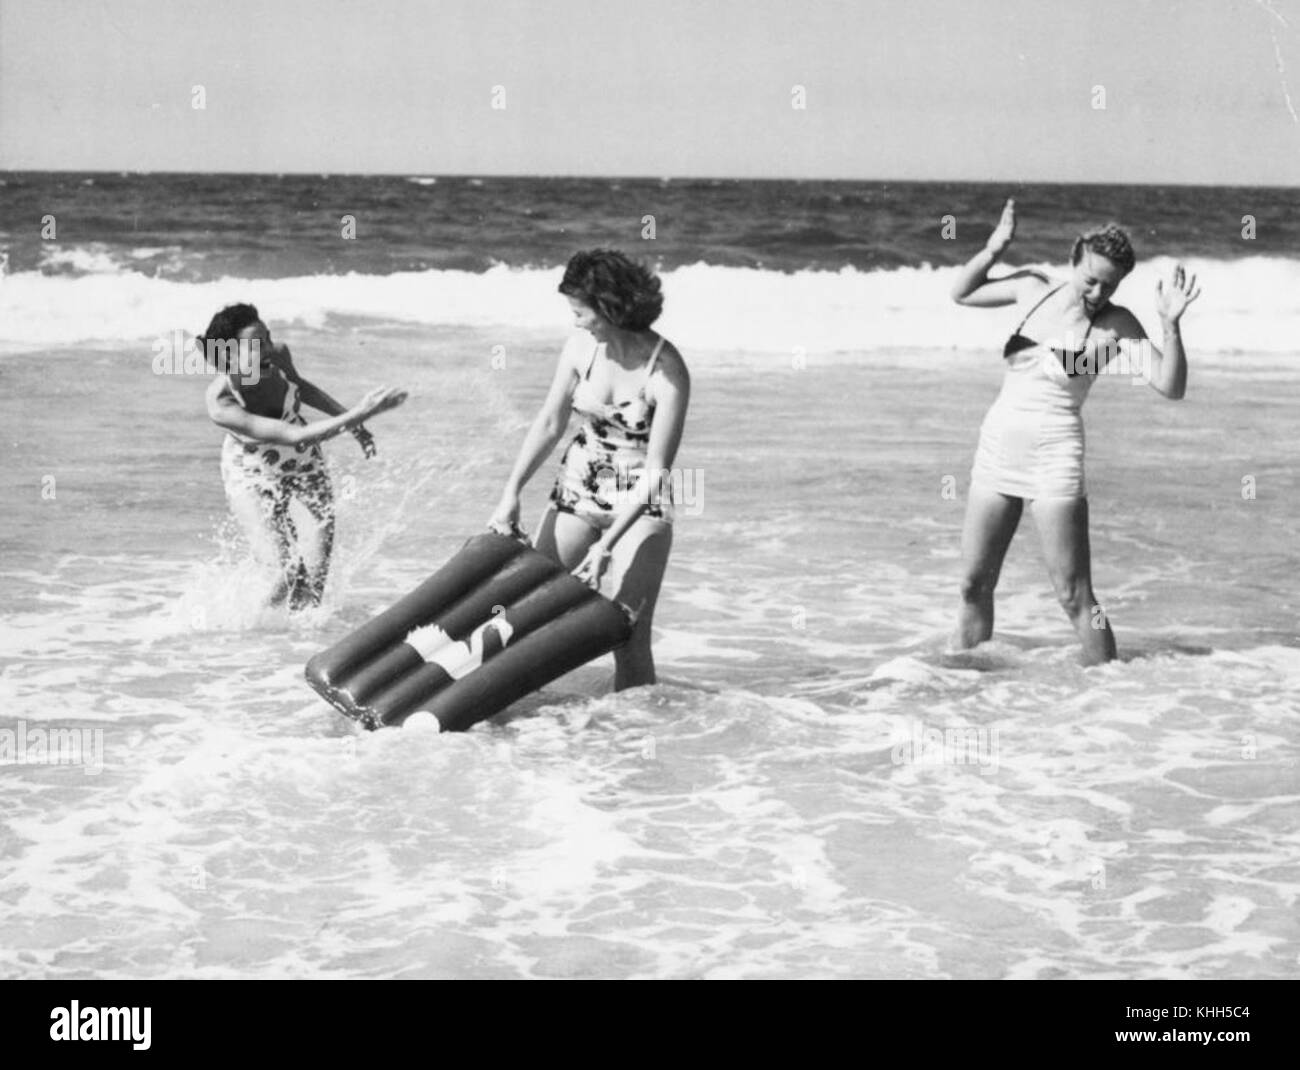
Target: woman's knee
point(638, 643)
point(1074, 593)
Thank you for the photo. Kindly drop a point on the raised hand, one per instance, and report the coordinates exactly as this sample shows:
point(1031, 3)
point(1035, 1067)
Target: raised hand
point(1004, 231)
point(1172, 301)
point(381, 399)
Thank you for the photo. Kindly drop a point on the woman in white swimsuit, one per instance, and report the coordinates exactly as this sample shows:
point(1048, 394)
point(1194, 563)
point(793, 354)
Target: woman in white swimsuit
point(1031, 441)
point(611, 506)
point(271, 457)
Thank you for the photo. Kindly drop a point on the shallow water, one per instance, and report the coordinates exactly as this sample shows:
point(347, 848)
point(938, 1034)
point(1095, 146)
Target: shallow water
point(779, 806)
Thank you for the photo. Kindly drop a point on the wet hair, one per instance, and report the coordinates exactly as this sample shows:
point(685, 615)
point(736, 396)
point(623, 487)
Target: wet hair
point(1110, 241)
point(622, 291)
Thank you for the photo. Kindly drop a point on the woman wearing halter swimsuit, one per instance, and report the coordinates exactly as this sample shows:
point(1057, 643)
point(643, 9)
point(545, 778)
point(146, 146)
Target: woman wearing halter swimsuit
point(1031, 441)
point(611, 505)
point(271, 459)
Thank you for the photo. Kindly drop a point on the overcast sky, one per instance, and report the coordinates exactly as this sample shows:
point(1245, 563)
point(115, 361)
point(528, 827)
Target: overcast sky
point(1195, 90)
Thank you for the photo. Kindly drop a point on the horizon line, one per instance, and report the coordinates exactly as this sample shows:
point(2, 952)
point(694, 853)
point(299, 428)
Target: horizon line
point(634, 178)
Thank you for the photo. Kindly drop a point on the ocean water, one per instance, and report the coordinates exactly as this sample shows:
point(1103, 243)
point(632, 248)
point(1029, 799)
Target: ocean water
point(817, 787)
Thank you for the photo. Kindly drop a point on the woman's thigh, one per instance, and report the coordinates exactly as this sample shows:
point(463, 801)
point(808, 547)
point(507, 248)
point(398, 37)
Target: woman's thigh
point(636, 568)
point(564, 537)
point(1063, 530)
point(991, 520)
point(258, 513)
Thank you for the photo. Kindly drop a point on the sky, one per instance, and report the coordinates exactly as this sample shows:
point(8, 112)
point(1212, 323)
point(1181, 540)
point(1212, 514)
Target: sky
point(1194, 91)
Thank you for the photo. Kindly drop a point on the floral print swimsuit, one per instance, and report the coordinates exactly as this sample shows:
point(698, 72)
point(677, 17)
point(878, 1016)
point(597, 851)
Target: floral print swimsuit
point(276, 474)
point(607, 457)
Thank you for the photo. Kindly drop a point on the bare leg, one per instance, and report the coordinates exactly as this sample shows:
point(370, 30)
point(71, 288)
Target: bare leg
point(991, 520)
point(564, 537)
point(257, 514)
point(1063, 528)
point(635, 576)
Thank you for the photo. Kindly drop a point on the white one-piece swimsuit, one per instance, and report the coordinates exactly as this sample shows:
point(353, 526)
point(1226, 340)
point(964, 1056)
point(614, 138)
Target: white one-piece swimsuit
point(1031, 441)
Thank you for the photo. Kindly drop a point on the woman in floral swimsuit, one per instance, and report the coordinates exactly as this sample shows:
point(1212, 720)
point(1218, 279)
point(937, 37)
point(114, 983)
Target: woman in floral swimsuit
point(271, 457)
point(611, 506)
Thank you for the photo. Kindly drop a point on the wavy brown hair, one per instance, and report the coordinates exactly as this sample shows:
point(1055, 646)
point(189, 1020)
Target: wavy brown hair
point(622, 291)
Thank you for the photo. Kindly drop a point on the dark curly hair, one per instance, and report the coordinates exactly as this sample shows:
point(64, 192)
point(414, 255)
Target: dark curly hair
point(622, 291)
point(227, 323)
point(1110, 241)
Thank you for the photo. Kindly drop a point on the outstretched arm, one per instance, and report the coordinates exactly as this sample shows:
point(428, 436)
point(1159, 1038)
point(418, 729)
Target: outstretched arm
point(972, 285)
point(1168, 370)
point(313, 396)
point(545, 431)
point(226, 413)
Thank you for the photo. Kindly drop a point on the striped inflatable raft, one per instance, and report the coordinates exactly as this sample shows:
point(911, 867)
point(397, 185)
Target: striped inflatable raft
point(494, 624)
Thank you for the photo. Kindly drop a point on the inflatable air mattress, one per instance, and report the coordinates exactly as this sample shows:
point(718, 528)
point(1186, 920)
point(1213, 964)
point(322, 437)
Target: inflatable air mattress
point(495, 623)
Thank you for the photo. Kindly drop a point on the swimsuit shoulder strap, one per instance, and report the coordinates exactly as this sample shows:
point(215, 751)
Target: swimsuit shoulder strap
point(1091, 320)
point(650, 368)
point(234, 390)
point(591, 362)
point(650, 364)
point(1037, 306)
